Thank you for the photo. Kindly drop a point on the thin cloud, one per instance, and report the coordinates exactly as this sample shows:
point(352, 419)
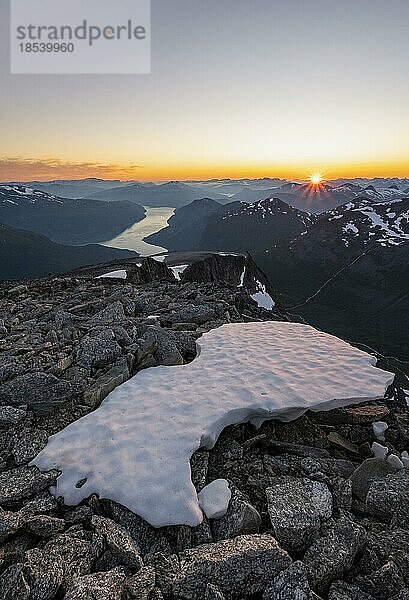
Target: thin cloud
point(17, 168)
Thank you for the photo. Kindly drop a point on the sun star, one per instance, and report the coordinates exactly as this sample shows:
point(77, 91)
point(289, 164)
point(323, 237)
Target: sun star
point(316, 178)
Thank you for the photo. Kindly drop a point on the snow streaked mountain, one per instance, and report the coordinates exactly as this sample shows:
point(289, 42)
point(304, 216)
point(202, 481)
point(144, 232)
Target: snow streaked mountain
point(207, 225)
point(19, 195)
point(381, 193)
point(377, 182)
point(271, 207)
point(74, 188)
point(386, 223)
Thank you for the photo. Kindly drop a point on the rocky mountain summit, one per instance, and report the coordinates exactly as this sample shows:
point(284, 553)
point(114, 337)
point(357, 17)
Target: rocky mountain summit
point(312, 513)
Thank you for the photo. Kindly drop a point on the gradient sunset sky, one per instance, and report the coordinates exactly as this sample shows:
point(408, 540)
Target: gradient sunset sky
point(239, 88)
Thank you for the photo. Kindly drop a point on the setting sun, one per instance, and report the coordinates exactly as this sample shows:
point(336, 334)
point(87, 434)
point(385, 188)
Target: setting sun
point(316, 178)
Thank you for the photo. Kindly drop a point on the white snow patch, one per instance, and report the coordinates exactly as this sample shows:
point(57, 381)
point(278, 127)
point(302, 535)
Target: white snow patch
point(121, 274)
point(214, 499)
point(135, 448)
point(395, 461)
point(351, 228)
point(379, 429)
point(263, 299)
point(405, 458)
point(379, 451)
point(241, 284)
point(159, 258)
point(178, 270)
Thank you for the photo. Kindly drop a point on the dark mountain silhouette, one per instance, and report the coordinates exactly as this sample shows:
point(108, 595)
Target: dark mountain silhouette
point(27, 255)
point(207, 225)
point(174, 194)
point(65, 220)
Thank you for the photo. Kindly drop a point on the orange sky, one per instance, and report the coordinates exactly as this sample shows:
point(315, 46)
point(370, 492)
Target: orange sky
point(237, 89)
point(19, 169)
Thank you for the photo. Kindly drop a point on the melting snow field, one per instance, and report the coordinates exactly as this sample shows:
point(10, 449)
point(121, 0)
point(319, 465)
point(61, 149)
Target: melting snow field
point(135, 448)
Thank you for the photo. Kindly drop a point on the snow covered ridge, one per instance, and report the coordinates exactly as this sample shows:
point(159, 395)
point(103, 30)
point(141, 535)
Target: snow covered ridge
point(135, 448)
point(17, 194)
point(271, 207)
point(386, 223)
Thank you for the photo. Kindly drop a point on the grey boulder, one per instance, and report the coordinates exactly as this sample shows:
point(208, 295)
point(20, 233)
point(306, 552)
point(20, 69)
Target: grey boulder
point(340, 590)
point(238, 567)
point(290, 584)
point(332, 555)
point(98, 351)
point(241, 518)
point(388, 495)
point(372, 469)
point(141, 585)
point(13, 584)
point(23, 482)
point(296, 508)
point(98, 586)
point(42, 392)
point(119, 542)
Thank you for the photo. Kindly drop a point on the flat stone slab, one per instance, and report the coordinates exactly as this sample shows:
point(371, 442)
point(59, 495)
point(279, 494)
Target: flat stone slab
point(135, 448)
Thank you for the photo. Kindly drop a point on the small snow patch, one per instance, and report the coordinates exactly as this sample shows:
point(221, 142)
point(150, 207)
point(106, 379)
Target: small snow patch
point(263, 299)
point(379, 451)
point(379, 429)
point(214, 499)
point(241, 284)
point(395, 461)
point(121, 274)
point(178, 270)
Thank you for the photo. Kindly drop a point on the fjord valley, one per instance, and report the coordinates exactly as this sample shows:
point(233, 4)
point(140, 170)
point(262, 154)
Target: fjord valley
point(343, 268)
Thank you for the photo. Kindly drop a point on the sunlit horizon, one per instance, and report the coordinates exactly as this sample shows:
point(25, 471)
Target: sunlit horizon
point(46, 169)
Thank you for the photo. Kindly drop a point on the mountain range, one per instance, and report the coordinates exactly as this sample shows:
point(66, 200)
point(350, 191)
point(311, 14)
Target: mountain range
point(346, 270)
point(176, 194)
point(65, 220)
point(237, 226)
point(173, 194)
point(320, 198)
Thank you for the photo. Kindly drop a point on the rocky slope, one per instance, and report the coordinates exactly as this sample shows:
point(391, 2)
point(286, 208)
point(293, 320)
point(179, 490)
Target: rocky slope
point(311, 515)
point(65, 220)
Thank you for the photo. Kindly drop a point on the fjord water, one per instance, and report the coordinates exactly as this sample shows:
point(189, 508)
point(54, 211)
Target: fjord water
point(132, 238)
